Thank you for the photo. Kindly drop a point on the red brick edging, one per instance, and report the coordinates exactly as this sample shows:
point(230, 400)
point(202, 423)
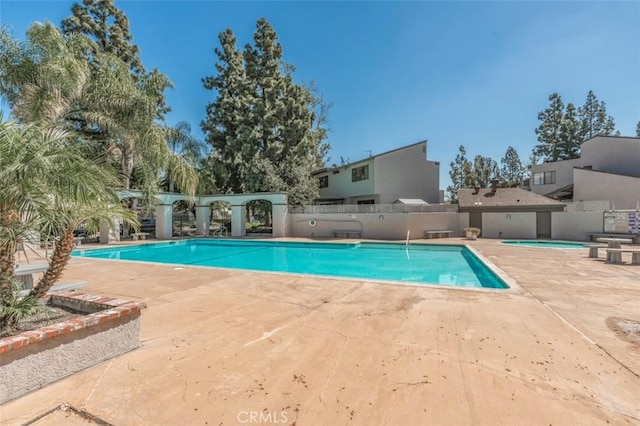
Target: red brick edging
point(108, 309)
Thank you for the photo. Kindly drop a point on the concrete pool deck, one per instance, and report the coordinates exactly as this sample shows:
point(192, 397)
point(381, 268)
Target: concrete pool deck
point(221, 345)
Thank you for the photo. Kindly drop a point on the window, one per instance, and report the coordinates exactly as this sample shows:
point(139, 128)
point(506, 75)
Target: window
point(360, 173)
point(549, 177)
point(538, 178)
point(544, 178)
point(324, 181)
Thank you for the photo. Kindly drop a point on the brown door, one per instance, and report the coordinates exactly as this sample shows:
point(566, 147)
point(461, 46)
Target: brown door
point(475, 220)
point(543, 224)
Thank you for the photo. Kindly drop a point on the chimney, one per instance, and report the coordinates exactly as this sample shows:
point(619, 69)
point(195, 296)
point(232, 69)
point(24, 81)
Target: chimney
point(494, 185)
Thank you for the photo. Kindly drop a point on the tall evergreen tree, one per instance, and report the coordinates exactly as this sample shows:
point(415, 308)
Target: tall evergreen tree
point(263, 126)
point(593, 118)
point(484, 169)
point(549, 130)
point(638, 129)
point(461, 174)
point(108, 27)
point(226, 120)
point(570, 134)
point(512, 170)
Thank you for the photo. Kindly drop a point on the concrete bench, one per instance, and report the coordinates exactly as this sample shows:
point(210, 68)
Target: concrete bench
point(24, 273)
point(593, 236)
point(438, 234)
point(593, 249)
point(616, 255)
point(347, 233)
point(140, 235)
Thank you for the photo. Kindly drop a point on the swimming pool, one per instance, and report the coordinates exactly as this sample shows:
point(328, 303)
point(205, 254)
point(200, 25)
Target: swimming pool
point(417, 264)
point(547, 244)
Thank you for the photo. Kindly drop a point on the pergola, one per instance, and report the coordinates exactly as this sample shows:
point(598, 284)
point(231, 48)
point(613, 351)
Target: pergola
point(164, 212)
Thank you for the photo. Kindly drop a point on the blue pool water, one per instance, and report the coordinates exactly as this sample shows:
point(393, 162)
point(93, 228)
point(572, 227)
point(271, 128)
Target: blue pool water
point(419, 264)
point(548, 244)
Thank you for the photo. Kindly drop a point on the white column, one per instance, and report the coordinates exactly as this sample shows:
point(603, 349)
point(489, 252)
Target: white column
point(203, 220)
point(108, 234)
point(164, 222)
point(238, 221)
point(280, 220)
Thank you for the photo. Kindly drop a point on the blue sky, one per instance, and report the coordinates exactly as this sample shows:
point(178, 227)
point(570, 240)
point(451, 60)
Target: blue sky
point(454, 73)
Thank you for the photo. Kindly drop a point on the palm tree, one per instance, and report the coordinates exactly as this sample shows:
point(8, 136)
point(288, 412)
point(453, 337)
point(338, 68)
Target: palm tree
point(50, 187)
point(182, 143)
point(67, 216)
point(55, 180)
point(138, 141)
point(48, 78)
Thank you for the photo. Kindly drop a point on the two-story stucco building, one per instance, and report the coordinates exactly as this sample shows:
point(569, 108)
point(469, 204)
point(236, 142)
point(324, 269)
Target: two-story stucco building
point(607, 169)
point(382, 179)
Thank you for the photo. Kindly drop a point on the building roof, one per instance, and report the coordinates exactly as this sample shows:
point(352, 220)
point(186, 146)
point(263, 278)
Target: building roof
point(371, 157)
point(505, 199)
point(411, 201)
point(610, 136)
point(586, 169)
point(562, 193)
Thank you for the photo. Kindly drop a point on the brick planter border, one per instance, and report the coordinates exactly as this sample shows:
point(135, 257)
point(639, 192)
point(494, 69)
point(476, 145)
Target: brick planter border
point(35, 358)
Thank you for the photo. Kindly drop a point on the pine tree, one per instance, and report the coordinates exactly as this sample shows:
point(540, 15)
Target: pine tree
point(570, 138)
point(593, 118)
point(108, 27)
point(534, 158)
point(266, 85)
point(512, 170)
point(549, 137)
point(638, 129)
point(461, 174)
point(484, 169)
point(226, 118)
point(267, 131)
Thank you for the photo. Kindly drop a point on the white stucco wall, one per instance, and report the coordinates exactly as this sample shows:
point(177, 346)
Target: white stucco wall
point(564, 225)
point(340, 184)
point(564, 174)
point(575, 225)
point(509, 225)
point(612, 154)
point(620, 155)
point(420, 222)
point(376, 226)
point(402, 173)
point(623, 191)
point(406, 173)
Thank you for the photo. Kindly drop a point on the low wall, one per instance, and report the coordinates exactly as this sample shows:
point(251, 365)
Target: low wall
point(36, 358)
point(575, 225)
point(509, 225)
point(384, 226)
point(394, 226)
